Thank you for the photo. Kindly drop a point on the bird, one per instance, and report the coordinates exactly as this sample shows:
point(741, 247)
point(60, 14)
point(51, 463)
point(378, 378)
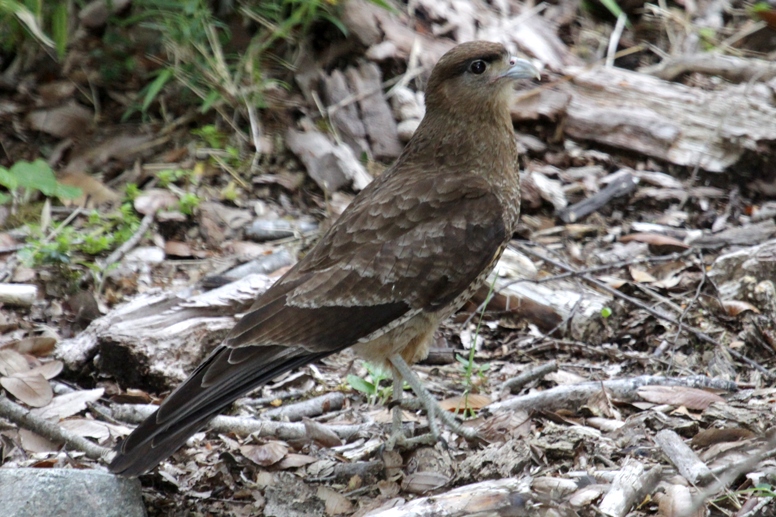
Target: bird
point(410, 249)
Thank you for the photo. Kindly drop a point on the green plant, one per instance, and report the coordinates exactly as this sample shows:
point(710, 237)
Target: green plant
point(606, 312)
point(371, 388)
point(99, 233)
point(20, 20)
point(188, 202)
point(169, 176)
point(24, 178)
point(470, 367)
point(761, 490)
point(708, 38)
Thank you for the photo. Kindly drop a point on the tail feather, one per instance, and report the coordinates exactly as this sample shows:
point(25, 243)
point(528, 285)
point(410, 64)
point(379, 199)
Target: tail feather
point(168, 428)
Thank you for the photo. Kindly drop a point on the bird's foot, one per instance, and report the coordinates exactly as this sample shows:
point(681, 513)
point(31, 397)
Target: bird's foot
point(424, 400)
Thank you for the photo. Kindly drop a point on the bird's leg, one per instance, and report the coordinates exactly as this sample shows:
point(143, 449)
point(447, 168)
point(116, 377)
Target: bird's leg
point(398, 392)
point(433, 408)
point(397, 433)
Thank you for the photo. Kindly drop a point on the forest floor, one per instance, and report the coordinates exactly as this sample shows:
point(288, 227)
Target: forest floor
point(625, 363)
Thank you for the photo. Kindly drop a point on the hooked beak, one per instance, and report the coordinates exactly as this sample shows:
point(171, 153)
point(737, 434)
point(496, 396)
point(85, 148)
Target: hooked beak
point(521, 69)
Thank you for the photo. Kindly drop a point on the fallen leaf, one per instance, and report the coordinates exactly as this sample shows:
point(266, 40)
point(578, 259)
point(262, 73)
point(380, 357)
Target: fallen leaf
point(677, 501)
point(612, 281)
point(31, 388)
point(177, 249)
point(424, 482)
point(266, 454)
point(292, 461)
point(40, 346)
point(12, 362)
point(641, 276)
point(49, 370)
point(658, 244)
point(153, 200)
point(93, 191)
point(69, 404)
point(459, 404)
point(736, 307)
point(319, 433)
point(713, 436)
point(334, 502)
point(691, 398)
point(87, 428)
point(33, 442)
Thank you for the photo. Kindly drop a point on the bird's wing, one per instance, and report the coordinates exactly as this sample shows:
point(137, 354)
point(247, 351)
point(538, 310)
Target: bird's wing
point(413, 245)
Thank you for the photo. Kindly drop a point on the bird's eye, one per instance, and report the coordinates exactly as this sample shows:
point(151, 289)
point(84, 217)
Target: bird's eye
point(477, 67)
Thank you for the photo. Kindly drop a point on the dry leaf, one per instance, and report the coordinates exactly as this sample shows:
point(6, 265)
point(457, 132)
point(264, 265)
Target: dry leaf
point(713, 436)
point(584, 497)
point(31, 388)
point(658, 244)
point(736, 307)
point(153, 200)
point(33, 442)
point(320, 434)
point(38, 346)
point(12, 362)
point(334, 502)
point(691, 398)
point(424, 482)
point(49, 370)
point(292, 461)
point(69, 404)
point(677, 502)
point(641, 276)
point(668, 283)
point(612, 281)
point(177, 249)
point(459, 403)
point(87, 428)
point(265, 455)
point(93, 191)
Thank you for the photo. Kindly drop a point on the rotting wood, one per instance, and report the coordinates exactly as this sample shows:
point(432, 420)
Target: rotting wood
point(496, 496)
point(681, 456)
point(629, 486)
point(548, 304)
point(149, 341)
point(637, 112)
point(732, 68)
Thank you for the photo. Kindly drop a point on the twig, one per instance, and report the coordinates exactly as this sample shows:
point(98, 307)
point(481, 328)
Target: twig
point(694, 298)
point(658, 314)
point(515, 383)
point(122, 250)
point(51, 431)
point(614, 40)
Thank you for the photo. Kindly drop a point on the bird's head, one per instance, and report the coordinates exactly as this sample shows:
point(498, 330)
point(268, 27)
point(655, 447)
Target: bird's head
point(477, 75)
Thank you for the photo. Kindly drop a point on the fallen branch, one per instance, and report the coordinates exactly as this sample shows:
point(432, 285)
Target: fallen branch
point(571, 396)
point(49, 430)
point(289, 431)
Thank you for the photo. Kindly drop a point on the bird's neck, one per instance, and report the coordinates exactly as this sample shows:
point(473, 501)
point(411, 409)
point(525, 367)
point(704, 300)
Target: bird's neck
point(478, 140)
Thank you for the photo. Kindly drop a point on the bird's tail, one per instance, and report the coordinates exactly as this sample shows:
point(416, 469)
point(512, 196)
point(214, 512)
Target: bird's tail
point(201, 397)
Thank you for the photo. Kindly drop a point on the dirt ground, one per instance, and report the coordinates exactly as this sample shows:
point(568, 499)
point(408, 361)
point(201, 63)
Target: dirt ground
point(621, 360)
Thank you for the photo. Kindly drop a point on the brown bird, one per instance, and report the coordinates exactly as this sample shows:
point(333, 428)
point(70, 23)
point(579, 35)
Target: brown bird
point(410, 249)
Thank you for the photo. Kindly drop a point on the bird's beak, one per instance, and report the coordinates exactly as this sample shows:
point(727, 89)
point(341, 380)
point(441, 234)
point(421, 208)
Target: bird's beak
point(521, 69)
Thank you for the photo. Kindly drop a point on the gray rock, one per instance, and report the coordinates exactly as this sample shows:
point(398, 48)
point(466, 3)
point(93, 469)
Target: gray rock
point(68, 493)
